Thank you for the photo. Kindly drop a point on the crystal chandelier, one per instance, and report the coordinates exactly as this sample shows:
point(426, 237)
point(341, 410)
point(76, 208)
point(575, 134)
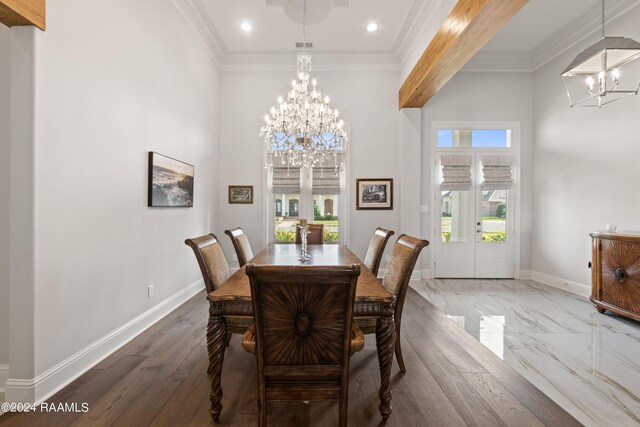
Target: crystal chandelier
point(593, 78)
point(303, 130)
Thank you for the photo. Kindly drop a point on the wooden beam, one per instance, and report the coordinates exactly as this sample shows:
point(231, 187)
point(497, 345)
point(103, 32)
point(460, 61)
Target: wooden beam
point(471, 24)
point(23, 12)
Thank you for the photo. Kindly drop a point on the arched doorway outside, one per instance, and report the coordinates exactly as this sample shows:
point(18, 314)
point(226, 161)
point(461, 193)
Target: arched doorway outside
point(294, 207)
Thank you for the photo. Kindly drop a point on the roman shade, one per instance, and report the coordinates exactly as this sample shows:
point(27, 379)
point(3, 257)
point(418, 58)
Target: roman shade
point(456, 172)
point(286, 180)
point(497, 172)
point(326, 180)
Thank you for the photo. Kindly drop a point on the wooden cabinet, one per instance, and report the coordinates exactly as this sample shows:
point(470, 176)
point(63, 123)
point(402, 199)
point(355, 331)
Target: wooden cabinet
point(615, 276)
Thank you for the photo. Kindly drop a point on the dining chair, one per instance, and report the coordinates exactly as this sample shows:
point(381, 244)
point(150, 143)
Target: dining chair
point(396, 279)
point(303, 333)
point(213, 264)
point(240, 244)
point(376, 249)
point(315, 236)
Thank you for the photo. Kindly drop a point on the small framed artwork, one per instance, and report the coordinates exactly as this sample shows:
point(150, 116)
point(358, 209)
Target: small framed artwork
point(241, 194)
point(374, 193)
point(170, 182)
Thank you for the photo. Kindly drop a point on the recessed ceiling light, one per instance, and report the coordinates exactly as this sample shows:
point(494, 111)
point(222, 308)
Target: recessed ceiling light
point(372, 27)
point(246, 27)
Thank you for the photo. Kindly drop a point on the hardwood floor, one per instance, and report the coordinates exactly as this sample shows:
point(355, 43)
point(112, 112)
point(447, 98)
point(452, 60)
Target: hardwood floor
point(160, 379)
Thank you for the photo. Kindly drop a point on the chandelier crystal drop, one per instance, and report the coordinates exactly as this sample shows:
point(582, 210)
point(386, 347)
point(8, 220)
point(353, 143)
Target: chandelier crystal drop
point(303, 130)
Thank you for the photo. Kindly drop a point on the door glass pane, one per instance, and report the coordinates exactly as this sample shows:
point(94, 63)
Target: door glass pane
point(494, 216)
point(325, 211)
point(455, 216)
point(287, 212)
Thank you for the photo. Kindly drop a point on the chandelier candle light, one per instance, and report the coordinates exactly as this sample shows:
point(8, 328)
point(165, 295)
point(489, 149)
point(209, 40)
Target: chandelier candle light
point(594, 78)
point(303, 130)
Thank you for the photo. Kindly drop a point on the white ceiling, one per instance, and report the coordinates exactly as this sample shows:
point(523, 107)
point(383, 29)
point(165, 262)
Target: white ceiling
point(334, 25)
point(539, 32)
point(538, 20)
point(542, 30)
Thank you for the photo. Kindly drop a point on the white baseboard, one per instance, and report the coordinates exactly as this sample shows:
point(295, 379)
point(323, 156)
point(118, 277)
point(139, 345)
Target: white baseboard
point(4, 375)
point(43, 386)
point(525, 275)
point(427, 274)
point(560, 283)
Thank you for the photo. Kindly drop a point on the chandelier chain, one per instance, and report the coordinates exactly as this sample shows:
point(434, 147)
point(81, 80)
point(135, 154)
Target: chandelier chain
point(602, 18)
point(304, 24)
point(303, 129)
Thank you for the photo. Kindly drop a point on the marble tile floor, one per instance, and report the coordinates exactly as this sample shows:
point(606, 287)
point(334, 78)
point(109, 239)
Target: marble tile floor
point(587, 362)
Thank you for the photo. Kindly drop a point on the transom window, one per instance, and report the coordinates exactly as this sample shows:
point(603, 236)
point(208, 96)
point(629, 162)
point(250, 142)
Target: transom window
point(474, 138)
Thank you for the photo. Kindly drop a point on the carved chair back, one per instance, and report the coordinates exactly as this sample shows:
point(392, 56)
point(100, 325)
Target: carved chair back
point(213, 264)
point(240, 244)
point(303, 328)
point(376, 249)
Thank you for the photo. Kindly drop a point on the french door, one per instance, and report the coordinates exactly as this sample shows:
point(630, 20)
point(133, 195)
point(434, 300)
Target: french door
point(475, 227)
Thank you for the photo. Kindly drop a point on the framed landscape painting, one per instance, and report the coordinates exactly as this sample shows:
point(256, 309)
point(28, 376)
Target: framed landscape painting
point(170, 182)
point(374, 193)
point(241, 194)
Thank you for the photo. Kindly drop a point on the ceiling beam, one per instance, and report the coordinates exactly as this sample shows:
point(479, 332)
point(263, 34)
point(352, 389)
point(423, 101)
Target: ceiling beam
point(23, 12)
point(469, 26)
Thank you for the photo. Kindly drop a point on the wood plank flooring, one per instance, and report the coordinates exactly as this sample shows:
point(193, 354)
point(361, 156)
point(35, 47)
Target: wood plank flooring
point(159, 379)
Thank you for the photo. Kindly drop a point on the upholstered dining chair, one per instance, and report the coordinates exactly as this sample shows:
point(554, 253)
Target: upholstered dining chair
point(211, 260)
point(213, 264)
point(396, 279)
point(240, 244)
point(376, 249)
point(315, 236)
point(303, 333)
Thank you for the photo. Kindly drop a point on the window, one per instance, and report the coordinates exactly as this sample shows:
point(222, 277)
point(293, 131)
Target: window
point(455, 218)
point(494, 216)
point(475, 138)
point(315, 194)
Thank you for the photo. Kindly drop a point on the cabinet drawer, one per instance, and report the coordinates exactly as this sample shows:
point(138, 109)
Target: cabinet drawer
point(620, 274)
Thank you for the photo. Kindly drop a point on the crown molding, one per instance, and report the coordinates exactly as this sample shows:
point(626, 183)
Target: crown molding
point(322, 61)
point(569, 36)
point(412, 23)
point(408, 38)
point(416, 22)
point(500, 62)
point(199, 19)
point(551, 47)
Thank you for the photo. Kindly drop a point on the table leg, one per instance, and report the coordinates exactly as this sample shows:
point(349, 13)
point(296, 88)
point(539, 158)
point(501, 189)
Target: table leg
point(216, 343)
point(385, 341)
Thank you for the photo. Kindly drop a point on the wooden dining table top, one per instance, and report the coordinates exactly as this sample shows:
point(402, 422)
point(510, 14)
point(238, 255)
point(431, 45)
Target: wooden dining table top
point(369, 288)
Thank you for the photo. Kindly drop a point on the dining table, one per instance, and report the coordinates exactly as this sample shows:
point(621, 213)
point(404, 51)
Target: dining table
point(230, 311)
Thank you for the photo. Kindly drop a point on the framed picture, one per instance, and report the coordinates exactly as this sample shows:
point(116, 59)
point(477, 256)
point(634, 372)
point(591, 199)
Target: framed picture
point(241, 194)
point(170, 182)
point(374, 193)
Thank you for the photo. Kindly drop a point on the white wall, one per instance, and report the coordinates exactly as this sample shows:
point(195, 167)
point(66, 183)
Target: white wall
point(5, 99)
point(367, 101)
point(586, 166)
point(108, 90)
point(480, 96)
